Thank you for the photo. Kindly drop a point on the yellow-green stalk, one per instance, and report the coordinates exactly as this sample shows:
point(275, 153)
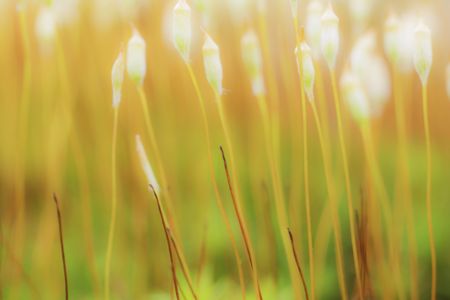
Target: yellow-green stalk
point(362, 111)
point(19, 180)
point(136, 68)
point(182, 40)
point(252, 58)
point(117, 75)
point(392, 48)
point(214, 75)
point(306, 72)
point(329, 43)
point(423, 58)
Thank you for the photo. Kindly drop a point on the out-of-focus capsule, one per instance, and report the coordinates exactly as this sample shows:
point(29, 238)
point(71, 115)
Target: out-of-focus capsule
point(136, 59)
point(329, 36)
point(423, 53)
point(182, 34)
point(392, 39)
point(355, 97)
point(145, 164)
point(213, 65)
point(117, 75)
point(312, 27)
point(305, 62)
point(45, 28)
point(251, 55)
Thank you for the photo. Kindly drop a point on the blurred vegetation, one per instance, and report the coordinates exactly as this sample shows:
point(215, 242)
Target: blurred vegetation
point(56, 135)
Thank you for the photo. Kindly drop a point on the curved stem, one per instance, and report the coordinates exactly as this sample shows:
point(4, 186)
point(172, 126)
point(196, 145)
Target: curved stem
point(347, 187)
point(426, 124)
point(404, 186)
point(19, 182)
point(112, 223)
point(297, 263)
point(306, 183)
point(331, 193)
point(61, 241)
point(167, 235)
point(278, 193)
point(214, 182)
point(170, 207)
point(384, 201)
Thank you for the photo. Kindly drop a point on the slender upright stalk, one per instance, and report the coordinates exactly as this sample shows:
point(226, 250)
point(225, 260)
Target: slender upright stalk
point(79, 160)
point(112, 223)
point(404, 186)
point(229, 145)
point(169, 243)
point(61, 241)
point(242, 226)
point(154, 145)
point(384, 201)
point(170, 207)
point(347, 183)
point(426, 124)
point(306, 183)
point(183, 267)
point(214, 182)
point(332, 196)
point(278, 191)
point(297, 263)
point(19, 182)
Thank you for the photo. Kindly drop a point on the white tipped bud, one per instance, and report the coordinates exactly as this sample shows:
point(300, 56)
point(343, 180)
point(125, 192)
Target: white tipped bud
point(307, 73)
point(213, 65)
point(312, 27)
point(329, 36)
point(182, 28)
point(355, 97)
point(448, 80)
point(45, 28)
point(251, 55)
point(145, 164)
point(136, 58)
point(423, 54)
point(117, 74)
point(392, 39)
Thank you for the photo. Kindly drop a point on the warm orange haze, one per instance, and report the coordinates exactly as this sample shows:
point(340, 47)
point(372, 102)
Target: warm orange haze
point(239, 149)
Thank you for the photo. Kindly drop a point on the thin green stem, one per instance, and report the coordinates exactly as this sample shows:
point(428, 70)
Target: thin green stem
point(426, 124)
point(169, 243)
point(19, 183)
point(347, 186)
point(278, 191)
point(331, 189)
point(214, 182)
point(384, 201)
point(404, 193)
point(112, 223)
point(306, 181)
point(170, 207)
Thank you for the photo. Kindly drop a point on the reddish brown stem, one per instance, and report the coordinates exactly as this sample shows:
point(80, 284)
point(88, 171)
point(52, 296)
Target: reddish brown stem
point(297, 263)
point(167, 233)
point(241, 223)
point(61, 241)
